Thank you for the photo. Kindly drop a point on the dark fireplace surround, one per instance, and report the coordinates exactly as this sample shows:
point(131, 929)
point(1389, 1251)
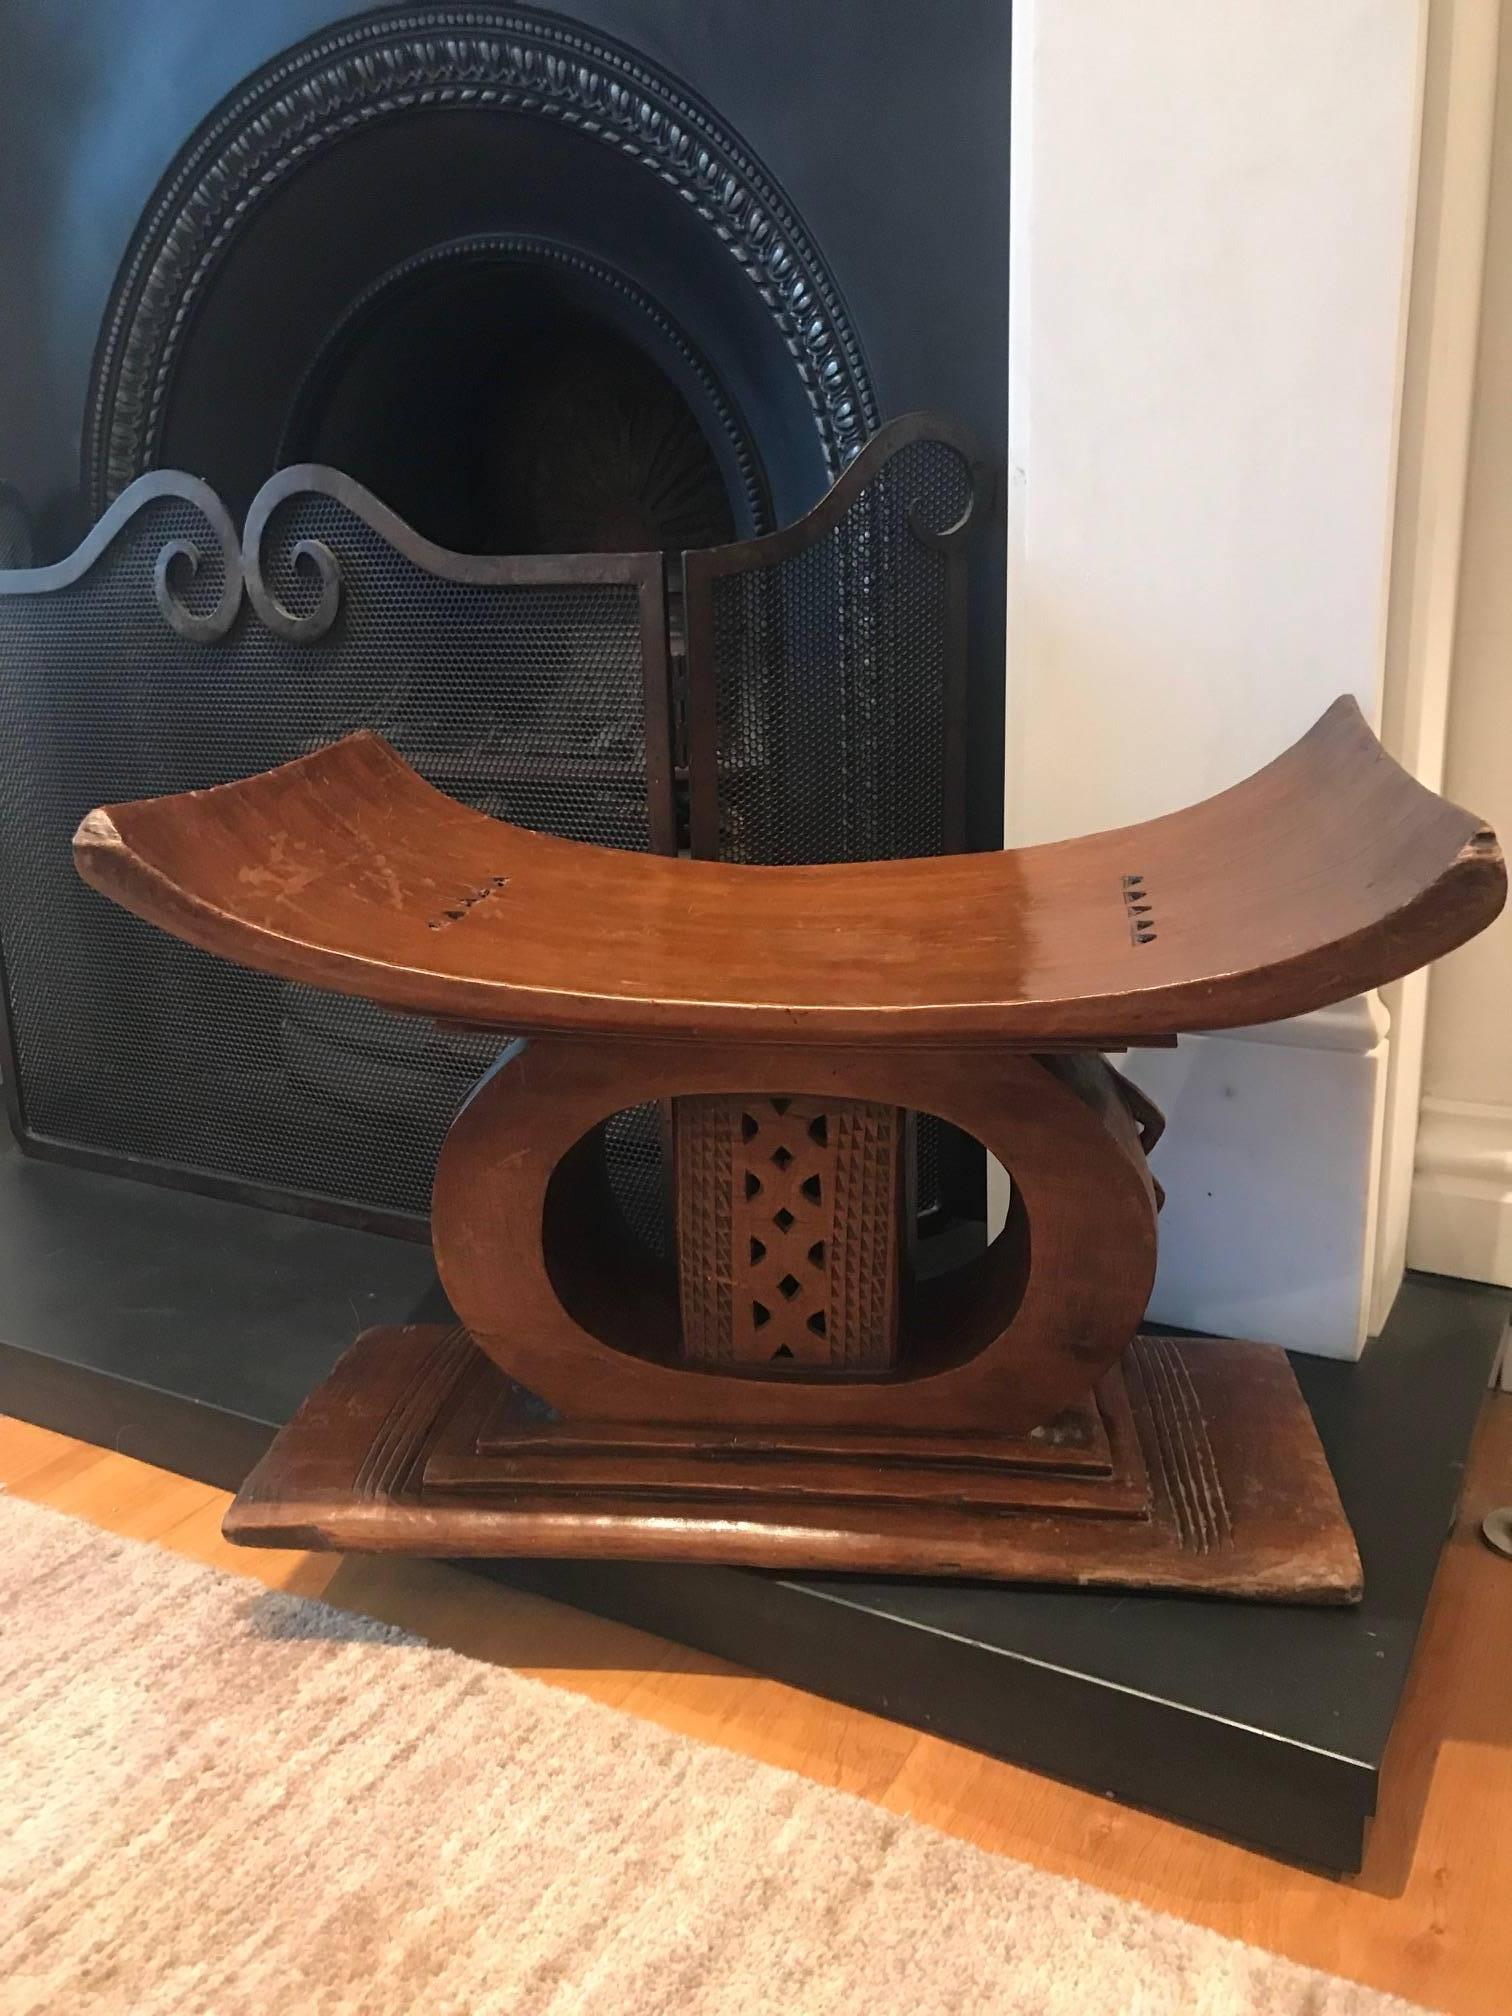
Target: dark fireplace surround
point(645, 277)
point(280, 305)
point(404, 242)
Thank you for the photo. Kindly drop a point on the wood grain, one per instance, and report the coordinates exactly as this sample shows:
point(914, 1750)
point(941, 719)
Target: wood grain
point(526, 1247)
point(1425, 1919)
point(1328, 872)
point(384, 1456)
point(832, 992)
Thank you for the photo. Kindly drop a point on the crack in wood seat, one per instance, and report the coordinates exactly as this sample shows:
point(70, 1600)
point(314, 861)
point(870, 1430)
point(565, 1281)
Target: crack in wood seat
point(1326, 873)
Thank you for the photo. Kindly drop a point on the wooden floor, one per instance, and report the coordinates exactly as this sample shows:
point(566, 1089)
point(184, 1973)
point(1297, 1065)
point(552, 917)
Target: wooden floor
point(1430, 1917)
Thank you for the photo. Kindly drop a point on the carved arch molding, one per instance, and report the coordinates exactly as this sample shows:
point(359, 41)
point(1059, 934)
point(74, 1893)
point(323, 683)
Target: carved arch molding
point(472, 60)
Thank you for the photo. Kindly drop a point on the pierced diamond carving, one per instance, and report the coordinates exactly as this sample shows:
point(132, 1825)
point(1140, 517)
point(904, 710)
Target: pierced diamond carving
point(789, 1231)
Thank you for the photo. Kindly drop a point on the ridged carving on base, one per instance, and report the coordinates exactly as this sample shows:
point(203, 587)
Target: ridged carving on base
point(401, 1441)
point(1182, 1456)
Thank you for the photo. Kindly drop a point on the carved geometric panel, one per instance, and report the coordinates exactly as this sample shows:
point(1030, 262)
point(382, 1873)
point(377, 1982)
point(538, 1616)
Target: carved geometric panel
point(789, 1223)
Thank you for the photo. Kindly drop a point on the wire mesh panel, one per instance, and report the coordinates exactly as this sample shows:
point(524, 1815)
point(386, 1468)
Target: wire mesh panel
point(825, 671)
point(826, 665)
point(826, 674)
point(136, 668)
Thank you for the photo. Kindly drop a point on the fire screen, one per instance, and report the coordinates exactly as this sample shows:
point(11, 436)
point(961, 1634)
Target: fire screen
point(532, 689)
point(805, 708)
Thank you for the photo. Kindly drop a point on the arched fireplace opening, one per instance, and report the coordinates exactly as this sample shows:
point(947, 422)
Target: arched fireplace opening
point(422, 242)
point(505, 396)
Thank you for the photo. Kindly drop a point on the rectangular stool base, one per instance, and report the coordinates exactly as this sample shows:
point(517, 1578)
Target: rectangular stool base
point(1218, 1484)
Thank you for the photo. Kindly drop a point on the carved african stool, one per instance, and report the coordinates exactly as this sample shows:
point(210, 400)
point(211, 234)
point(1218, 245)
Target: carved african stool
point(786, 1392)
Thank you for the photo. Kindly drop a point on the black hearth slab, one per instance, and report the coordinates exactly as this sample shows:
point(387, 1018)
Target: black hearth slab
point(183, 1329)
point(203, 1323)
point(1264, 1722)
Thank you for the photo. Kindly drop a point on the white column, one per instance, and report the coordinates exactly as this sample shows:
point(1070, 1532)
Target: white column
point(1270, 1165)
point(1461, 1220)
point(1214, 205)
point(1454, 317)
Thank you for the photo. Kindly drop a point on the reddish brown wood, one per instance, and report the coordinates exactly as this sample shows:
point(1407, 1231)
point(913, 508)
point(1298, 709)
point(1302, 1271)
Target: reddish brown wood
point(622, 1405)
point(523, 1239)
point(488, 1436)
point(1074, 1444)
point(1322, 875)
point(1216, 1422)
point(789, 1222)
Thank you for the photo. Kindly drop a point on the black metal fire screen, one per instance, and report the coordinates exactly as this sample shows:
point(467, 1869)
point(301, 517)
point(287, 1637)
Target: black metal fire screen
point(165, 655)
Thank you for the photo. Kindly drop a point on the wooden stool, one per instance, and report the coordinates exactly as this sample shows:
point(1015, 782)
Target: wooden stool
point(786, 1394)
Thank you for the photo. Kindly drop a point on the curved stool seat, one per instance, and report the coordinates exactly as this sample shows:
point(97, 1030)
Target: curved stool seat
point(1328, 872)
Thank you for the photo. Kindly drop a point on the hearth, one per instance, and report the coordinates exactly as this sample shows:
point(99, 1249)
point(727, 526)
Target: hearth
point(546, 428)
point(626, 279)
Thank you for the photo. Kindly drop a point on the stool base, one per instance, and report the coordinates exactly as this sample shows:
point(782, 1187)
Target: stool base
point(1197, 1468)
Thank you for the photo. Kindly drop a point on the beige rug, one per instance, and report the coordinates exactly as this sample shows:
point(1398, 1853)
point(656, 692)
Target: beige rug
point(214, 1800)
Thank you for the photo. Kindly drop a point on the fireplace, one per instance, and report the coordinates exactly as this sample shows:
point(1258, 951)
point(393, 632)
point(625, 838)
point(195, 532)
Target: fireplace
point(631, 279)
point(487, 392)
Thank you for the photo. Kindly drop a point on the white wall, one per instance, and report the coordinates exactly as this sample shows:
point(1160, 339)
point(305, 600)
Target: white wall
point(1462, 1194)
point(1443, 335)
point(1214, 208)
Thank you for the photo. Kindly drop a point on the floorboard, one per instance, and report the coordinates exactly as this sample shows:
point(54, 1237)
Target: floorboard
point(1427, 1917)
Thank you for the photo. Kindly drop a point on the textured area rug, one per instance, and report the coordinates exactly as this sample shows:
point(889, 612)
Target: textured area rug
point(216, 1800)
